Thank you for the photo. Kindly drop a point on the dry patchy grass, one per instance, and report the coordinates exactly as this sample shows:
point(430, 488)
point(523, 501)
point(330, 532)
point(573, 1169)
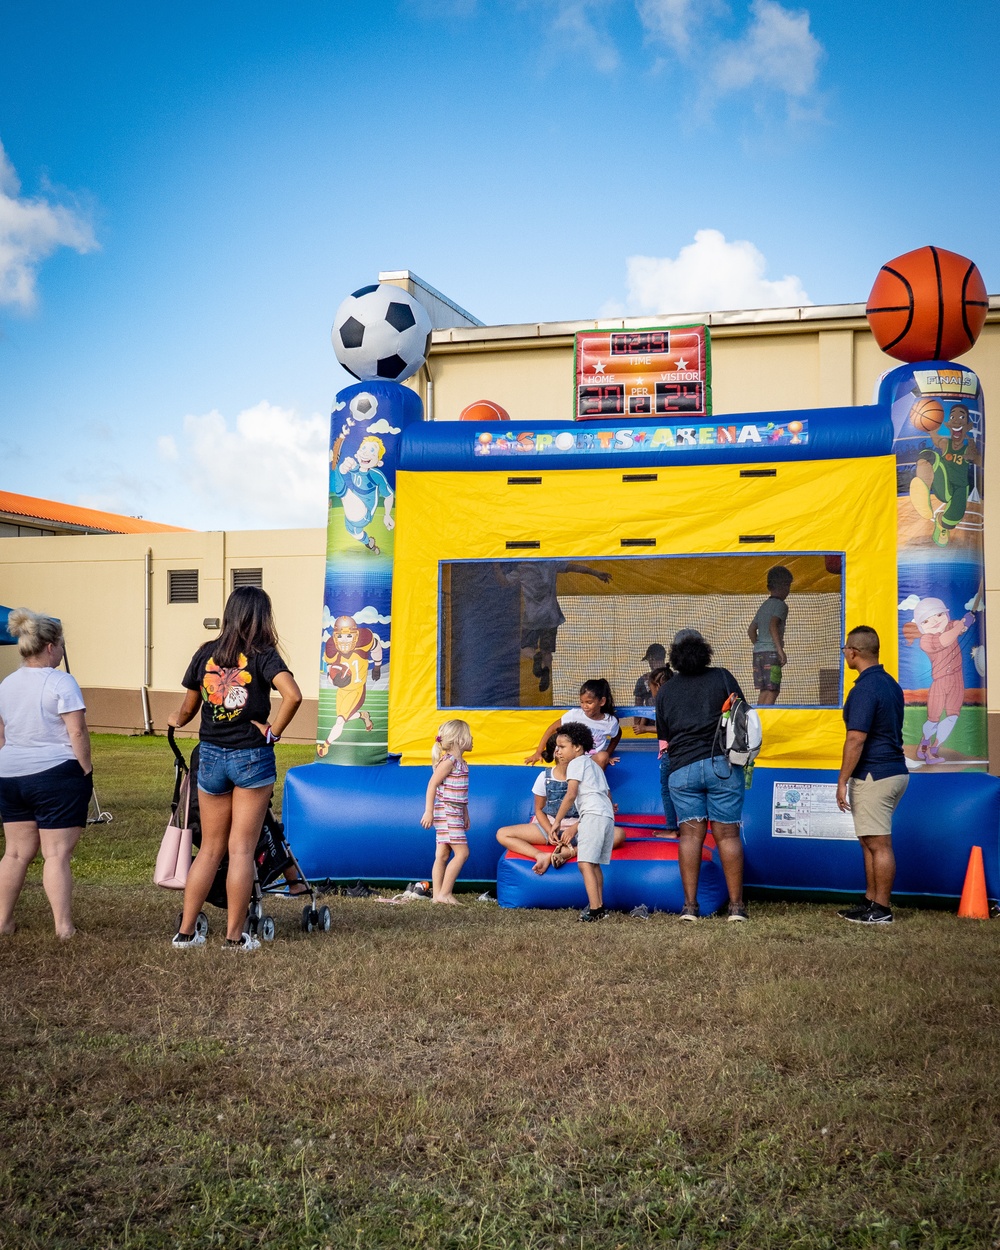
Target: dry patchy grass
point(438, 1077)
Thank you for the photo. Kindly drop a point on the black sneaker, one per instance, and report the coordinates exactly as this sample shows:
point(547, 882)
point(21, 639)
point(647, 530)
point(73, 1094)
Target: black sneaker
point(737, 913)
point(592, 913)
point(855, 913)
point(690, 911)
point(874, 913)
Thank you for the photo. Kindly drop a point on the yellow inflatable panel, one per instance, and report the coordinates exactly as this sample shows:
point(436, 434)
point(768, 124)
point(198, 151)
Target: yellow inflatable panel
point(842, 506)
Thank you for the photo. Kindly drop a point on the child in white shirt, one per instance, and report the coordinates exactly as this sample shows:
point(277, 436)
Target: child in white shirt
point(587, 787)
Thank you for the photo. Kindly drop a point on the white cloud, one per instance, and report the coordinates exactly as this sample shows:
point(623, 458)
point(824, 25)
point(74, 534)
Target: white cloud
point(31, 230)
point(574, 26)
point(776, 50)
point(708, 275)
point(268, 470)
point(675, 22)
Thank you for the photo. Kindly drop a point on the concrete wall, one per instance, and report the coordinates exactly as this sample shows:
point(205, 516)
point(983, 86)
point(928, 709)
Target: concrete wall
point(95, 585)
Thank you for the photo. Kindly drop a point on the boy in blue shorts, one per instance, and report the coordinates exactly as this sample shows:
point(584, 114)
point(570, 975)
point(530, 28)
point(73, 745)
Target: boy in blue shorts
point(587, 787)
point(767, 633)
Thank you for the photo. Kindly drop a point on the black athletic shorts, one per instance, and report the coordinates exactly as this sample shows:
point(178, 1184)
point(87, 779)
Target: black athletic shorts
point(57, 798)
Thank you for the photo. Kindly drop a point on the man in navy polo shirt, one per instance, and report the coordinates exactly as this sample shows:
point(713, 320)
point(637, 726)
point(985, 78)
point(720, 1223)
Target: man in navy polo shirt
point(873, 773)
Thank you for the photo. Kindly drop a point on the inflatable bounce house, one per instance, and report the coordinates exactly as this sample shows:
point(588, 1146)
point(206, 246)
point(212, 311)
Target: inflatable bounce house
point(483, 568)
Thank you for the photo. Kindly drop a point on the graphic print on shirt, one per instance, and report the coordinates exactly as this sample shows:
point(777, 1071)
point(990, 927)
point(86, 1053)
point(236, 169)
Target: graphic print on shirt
point(225, 689)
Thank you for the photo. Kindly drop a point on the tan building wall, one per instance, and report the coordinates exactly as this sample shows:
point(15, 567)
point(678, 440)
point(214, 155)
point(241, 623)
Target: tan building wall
point(95, 585)
point(761, 361)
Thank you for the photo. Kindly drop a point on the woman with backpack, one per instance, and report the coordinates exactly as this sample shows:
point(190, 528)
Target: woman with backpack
point(704, 785)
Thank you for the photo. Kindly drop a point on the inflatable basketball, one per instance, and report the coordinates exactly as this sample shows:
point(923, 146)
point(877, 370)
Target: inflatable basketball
point(927, 414)
point(927, 305)
point(484, 410)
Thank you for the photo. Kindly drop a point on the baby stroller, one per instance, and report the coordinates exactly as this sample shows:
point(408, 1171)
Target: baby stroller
point(273, 858)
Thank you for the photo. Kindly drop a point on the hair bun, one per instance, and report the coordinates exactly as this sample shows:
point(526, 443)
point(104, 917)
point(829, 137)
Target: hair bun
point(20, 621)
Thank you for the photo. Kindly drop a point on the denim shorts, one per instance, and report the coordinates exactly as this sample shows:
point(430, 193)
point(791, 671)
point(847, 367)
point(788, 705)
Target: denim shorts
point(220, 770)
point(708, 790)
point(58, 798)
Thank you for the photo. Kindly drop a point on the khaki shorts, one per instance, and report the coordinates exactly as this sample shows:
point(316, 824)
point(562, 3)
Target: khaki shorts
point(595, 836)
point(873, 803)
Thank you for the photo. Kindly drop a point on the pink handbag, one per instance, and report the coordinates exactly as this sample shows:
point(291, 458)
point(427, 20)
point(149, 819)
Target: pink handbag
point(173, 859)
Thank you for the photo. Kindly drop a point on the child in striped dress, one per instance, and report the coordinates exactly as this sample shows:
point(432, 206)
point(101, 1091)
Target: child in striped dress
point(447, 806)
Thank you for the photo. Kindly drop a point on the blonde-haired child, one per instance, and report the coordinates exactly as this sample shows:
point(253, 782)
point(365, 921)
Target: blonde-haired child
point(447, 806)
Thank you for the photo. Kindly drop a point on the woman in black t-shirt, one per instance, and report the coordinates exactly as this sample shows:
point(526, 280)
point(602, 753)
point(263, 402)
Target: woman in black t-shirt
point(703, 785)
point(231, 679)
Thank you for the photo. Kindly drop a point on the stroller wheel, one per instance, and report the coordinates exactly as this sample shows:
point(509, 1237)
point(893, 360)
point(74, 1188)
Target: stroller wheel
point(201, 924)
point(324, 919)
point(255, 910)
point(308, 919)
point(265, 928)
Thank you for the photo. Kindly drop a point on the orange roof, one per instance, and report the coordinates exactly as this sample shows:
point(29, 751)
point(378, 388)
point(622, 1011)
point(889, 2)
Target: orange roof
point(49, 510)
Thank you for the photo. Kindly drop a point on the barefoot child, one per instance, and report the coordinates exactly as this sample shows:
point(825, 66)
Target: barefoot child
point(588, 788)
point(548, 790)
point(447, 806)
point(597, 713)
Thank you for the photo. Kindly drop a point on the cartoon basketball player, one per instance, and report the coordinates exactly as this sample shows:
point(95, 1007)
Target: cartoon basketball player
point(349, 653)
point(358, 483)
point(939, 636)
point(939, 490)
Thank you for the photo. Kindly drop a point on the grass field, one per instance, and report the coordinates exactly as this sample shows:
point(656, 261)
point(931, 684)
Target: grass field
point(445, 1077)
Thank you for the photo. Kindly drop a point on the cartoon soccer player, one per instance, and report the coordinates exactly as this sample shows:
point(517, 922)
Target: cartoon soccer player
point(357, 482)
point(350, 652)
point(939, 636)
point(942, 475)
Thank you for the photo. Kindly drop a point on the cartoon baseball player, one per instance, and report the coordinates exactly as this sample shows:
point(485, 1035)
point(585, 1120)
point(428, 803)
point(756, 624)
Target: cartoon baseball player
point(942, 471)
point(358, 483)
point(350, 652)
point(939, 636)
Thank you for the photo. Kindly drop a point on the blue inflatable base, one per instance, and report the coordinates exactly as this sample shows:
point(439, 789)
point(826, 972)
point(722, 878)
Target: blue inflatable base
point(643, 871)
point(356, 822)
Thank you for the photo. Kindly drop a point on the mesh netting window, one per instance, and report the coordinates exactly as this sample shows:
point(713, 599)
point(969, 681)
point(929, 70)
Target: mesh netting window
point(526, 633)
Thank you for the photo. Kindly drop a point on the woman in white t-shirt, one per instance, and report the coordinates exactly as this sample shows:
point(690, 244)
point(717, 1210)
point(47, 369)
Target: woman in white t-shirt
point(46, 777)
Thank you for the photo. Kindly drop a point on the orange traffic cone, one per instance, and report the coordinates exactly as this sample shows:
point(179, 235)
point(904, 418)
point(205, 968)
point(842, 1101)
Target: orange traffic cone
point(974, 905)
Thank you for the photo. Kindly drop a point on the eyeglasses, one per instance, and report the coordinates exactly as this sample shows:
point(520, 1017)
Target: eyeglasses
point(847, 647)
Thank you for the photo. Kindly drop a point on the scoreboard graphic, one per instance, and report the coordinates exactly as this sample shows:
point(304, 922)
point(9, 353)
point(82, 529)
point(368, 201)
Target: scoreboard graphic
point(643, 373)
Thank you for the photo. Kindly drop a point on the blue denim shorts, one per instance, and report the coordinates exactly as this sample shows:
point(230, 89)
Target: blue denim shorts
point(708, 790)
point(220, 770)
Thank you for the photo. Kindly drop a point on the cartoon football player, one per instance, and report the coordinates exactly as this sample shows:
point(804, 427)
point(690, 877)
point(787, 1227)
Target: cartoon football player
point(358, 483)
point(939, 490)
point(349, 653)
point(939, 636)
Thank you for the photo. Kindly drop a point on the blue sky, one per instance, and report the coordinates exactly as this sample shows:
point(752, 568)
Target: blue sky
point(188, 191)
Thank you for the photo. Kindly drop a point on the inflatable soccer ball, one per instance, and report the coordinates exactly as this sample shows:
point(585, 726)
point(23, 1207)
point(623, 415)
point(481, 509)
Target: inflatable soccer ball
point(381, 332)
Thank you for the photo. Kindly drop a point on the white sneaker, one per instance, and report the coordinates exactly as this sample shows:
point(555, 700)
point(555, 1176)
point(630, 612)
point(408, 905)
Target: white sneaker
point(247, 942)
point(182, 942)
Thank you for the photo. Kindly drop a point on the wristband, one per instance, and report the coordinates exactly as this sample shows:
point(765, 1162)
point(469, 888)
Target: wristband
point(270, 736)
